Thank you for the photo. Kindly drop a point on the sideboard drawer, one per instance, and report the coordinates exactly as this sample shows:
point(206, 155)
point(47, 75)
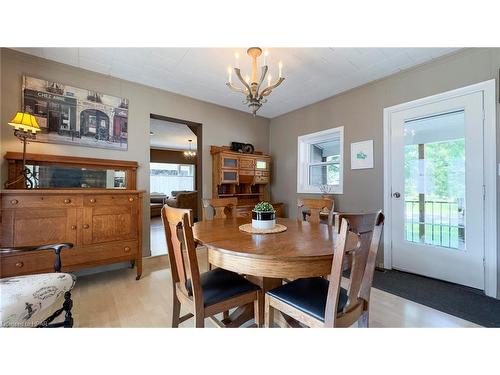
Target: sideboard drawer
point(106, 200)
point(247, 163)
point(99, 253)
point(27, 263)
point(246, 172)
point(41, 201)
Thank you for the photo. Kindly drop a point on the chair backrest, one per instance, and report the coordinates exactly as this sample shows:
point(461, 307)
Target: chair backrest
point(219, 208)
point(311, 209)
point(369, 228)
point(182, 250)
point(346, 240)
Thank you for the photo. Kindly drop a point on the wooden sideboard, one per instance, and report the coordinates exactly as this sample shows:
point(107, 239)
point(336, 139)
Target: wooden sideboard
point(104, 225)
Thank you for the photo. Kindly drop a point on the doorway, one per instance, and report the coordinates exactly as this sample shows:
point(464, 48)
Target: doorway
point(175, 172)
point(438, 170)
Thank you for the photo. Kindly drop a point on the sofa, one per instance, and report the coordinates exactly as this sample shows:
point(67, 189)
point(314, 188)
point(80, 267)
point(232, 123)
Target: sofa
point(156, 202)
point(184, 199)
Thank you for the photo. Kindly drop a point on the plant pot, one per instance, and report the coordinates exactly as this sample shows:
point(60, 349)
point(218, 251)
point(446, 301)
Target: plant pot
point(263, 219)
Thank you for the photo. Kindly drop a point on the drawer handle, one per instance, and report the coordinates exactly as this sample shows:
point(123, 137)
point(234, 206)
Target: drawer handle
point(14, 201)
point(73, 227)
point(67, 200)
point(92, 200)
point(127, 249)
point(131, 199)
point(19, 264)
point(86, 226)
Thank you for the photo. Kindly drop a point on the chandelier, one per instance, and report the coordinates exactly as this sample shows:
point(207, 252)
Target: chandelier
point(255, 96)
point(190, 153)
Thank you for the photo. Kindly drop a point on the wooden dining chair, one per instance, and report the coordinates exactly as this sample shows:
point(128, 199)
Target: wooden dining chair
point(206, 294)
point(312, 210)
point(219, 208)
point(318, 302)
point(363, 225)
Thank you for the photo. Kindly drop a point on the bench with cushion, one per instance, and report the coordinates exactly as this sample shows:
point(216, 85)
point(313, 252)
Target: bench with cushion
point(37, 300)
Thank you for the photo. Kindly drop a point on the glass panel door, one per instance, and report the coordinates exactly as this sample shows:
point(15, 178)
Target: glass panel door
point(437, 206)
point(435, 180)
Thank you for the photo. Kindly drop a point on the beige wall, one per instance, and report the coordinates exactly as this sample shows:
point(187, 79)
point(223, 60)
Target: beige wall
point(360, 111)
point(220, 125)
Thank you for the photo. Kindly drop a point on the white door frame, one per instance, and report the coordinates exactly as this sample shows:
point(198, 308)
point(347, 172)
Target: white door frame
point(490, 178)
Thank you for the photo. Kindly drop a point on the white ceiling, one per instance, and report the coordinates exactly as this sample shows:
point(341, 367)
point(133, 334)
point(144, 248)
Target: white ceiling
point(171, 136)
point(311, 74)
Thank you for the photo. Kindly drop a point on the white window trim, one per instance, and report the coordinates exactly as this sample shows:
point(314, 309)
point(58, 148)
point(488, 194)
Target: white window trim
point(490, 169)
point(303, 155)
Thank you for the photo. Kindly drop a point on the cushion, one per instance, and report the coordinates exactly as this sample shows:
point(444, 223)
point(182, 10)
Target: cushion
point(219, 285)
point(23, 299)
point(308, 295)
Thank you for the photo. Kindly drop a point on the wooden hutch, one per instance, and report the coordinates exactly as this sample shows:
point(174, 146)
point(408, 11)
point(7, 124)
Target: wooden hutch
point(91, 203)
point(244, 176)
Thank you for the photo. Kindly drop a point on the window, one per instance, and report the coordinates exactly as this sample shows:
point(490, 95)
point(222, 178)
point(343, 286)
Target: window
point(167, 177)
point(320, 161)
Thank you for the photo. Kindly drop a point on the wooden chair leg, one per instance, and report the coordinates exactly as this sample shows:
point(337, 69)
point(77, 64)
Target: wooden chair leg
point(176, 311)
point(199, 320)
point(363, 320)
point(67, 305)
point(258, 309)
point(269, 313)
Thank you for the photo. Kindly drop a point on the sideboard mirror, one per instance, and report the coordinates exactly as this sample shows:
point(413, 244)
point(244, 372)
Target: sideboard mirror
point(63, 172)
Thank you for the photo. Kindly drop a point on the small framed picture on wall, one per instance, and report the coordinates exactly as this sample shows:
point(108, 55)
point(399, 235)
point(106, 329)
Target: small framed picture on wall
point(362, 155)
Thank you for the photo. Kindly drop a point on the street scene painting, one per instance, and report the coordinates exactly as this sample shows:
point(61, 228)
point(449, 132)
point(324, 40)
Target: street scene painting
point(70, 115)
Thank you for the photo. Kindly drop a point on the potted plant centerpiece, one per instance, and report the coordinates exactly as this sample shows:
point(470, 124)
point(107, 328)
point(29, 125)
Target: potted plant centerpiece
point(263, 216)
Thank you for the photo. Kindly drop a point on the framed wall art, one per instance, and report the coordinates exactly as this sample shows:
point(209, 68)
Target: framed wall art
point(70, 115)
point(362, 155)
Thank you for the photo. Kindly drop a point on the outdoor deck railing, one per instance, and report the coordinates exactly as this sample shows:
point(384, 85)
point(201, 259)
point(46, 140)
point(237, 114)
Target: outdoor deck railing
point(440, 223)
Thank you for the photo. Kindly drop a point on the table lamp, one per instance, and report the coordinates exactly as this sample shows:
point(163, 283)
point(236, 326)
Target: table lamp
point(25, 128)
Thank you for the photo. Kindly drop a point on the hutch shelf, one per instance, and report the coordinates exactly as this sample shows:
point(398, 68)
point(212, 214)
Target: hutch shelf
point(244, 176)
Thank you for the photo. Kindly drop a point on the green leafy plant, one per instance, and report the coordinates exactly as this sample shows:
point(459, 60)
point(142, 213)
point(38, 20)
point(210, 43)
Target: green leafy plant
point(263, 207)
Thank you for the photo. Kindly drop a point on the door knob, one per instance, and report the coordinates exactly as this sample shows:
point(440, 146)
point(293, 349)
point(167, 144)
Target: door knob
point(86, 226)
point(396, 195)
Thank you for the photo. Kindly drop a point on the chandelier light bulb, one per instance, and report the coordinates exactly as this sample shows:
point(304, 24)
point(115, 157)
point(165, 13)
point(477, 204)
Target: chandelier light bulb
point(237, 59)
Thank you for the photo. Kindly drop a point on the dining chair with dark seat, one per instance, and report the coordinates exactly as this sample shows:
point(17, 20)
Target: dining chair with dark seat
point(206, 294)
point(363, 225)
point(320, 302)
point(219, 208)
point(315, 210)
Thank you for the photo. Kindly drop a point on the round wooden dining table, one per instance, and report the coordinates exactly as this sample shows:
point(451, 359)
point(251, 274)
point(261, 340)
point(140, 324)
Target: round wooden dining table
point(303, 250)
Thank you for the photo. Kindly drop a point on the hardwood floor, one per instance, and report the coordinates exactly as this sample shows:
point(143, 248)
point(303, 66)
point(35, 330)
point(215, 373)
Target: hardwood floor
point(157, 237)
point(116, 299)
